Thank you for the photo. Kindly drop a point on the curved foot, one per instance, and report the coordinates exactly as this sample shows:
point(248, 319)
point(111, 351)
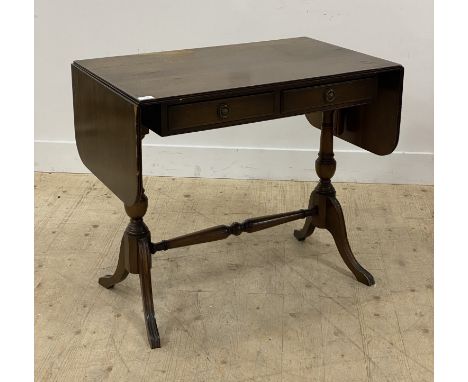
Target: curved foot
point(336, 226)
point(120, 273)
point(308, 228)
point(306, 231)
point(144, 264)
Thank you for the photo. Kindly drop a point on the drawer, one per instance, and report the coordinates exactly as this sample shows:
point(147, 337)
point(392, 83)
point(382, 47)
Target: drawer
point(225, 110)
point(342, 93)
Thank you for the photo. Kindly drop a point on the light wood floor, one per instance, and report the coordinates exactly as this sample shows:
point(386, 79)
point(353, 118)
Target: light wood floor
point(259, 307)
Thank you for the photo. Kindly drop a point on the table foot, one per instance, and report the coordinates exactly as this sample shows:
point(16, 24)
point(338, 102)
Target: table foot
point(120, 273)
point(335, 224)
point(305, 232)
point(144, 264)
point(308, 228)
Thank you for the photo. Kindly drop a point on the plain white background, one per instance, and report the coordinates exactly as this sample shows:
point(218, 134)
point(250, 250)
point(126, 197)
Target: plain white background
point(400, 31)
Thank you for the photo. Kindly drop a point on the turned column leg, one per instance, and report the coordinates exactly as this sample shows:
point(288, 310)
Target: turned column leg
point(135, 257)
point(330, 216)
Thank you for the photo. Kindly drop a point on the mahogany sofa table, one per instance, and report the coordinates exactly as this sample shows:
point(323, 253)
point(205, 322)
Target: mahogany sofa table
point(118, 100)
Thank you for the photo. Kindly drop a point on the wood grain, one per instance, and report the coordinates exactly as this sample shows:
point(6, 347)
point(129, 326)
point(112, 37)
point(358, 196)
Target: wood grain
point(108, 136)
point(183, 91)
point(179, 73)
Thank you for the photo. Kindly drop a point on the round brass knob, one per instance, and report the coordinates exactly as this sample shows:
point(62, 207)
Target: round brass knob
point(223, 110)
point(330, 95)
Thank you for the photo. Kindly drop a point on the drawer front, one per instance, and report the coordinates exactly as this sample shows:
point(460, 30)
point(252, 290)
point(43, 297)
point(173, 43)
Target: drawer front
point(344, 93)
point(234, 109)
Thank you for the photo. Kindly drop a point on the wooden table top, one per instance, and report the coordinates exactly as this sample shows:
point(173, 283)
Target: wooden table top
point(159, 76)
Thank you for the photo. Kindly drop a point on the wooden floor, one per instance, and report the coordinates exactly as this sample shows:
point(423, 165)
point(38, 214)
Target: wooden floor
point(259, 307)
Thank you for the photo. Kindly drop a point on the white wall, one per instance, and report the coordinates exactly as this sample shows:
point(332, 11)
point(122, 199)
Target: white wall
point(400, 31)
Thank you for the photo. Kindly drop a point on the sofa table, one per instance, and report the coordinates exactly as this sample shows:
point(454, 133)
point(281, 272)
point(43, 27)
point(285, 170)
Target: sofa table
point(118, 100)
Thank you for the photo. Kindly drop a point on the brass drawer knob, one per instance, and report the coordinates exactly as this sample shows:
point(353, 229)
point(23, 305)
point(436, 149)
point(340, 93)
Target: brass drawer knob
point(330, 95)
point(223, 110)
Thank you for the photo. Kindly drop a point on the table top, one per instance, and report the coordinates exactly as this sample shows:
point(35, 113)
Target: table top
point(159, 76)
point(117, 100)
